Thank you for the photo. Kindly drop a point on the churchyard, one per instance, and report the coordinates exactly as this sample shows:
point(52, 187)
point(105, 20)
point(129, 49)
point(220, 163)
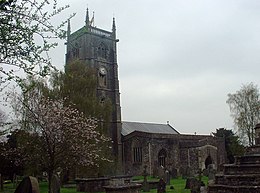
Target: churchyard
point(71, 122)
point(177, 185)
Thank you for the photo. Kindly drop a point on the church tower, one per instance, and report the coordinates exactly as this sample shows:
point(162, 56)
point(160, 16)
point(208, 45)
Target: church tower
point(98, 49)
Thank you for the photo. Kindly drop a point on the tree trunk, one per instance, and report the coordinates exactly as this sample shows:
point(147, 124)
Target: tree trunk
point(50, 174)
point(1, 183)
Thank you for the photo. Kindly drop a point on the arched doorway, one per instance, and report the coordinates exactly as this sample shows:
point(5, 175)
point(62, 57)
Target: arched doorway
point(208, 161)
point(162, 157)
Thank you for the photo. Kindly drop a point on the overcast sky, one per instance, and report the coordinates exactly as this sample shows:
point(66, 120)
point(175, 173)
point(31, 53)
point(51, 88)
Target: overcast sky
point(178, 59)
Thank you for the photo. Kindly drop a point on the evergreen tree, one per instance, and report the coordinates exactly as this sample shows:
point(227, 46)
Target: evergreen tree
point(232, 144)
point(79, 88)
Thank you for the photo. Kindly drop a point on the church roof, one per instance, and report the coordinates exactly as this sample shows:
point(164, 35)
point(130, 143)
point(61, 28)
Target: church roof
point(129, 127)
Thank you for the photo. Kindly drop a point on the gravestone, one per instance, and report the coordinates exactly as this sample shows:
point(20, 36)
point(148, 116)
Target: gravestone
point(174, 173)
point(161, 186)
point(28, 185)
point(146, 187)
point(125, 188)
point(203, 189)
point(167, 177)
point(188, 182)
point(195, 186)
point(55, 184)
point(192, 183)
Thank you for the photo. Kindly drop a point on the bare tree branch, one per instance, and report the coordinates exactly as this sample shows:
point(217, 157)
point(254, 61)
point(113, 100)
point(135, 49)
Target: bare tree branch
point(245, 109)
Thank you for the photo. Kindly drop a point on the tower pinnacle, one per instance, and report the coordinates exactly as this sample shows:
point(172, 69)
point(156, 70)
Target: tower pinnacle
point(87, 18)
point(68, 29)
point(114, 28)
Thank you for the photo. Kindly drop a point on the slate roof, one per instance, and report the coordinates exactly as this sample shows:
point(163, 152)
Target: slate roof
point(129, 127)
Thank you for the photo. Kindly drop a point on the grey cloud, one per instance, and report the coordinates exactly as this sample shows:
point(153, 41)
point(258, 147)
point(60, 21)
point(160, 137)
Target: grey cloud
point(179, 59)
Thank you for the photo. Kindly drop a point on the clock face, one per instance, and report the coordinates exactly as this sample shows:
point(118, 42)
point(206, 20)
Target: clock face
point(102, 71)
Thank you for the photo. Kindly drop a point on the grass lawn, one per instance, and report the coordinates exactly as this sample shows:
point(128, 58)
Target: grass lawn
point(8, 188)
point(177, 183)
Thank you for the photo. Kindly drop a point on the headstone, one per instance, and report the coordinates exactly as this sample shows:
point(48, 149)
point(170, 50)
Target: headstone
point(145, 187)
point(161, 186)
point(55, 184)
point(174, 173)
point(188, 182)
point(195, 186)
point(28, 185)
point(203, 189)
point(167, 177)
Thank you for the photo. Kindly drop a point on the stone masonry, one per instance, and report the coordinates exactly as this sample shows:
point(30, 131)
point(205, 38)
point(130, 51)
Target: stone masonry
point(185, 154)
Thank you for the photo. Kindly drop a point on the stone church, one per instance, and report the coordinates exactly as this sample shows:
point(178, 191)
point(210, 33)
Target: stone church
point(136, 145)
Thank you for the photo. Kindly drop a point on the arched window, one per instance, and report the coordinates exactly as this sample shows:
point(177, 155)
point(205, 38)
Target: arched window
point(137, 151)
point(162, 157)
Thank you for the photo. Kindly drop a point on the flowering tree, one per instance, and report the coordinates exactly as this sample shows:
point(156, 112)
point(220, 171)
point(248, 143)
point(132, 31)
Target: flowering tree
point(3, 123)
point(2, 118)
point(26, 31)
point(77, 86)
point(10, 157)
point(64, 136)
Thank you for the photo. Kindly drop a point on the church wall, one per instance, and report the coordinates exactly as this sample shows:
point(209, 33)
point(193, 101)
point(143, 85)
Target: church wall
point(151, 148)
point(171, 150)
point(189, 163)
point(194, 159)
point(185, 154)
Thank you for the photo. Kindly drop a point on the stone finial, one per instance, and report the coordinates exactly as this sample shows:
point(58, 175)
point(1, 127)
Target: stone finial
point(114, 28)
point(87, 18)
point(68, 29)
